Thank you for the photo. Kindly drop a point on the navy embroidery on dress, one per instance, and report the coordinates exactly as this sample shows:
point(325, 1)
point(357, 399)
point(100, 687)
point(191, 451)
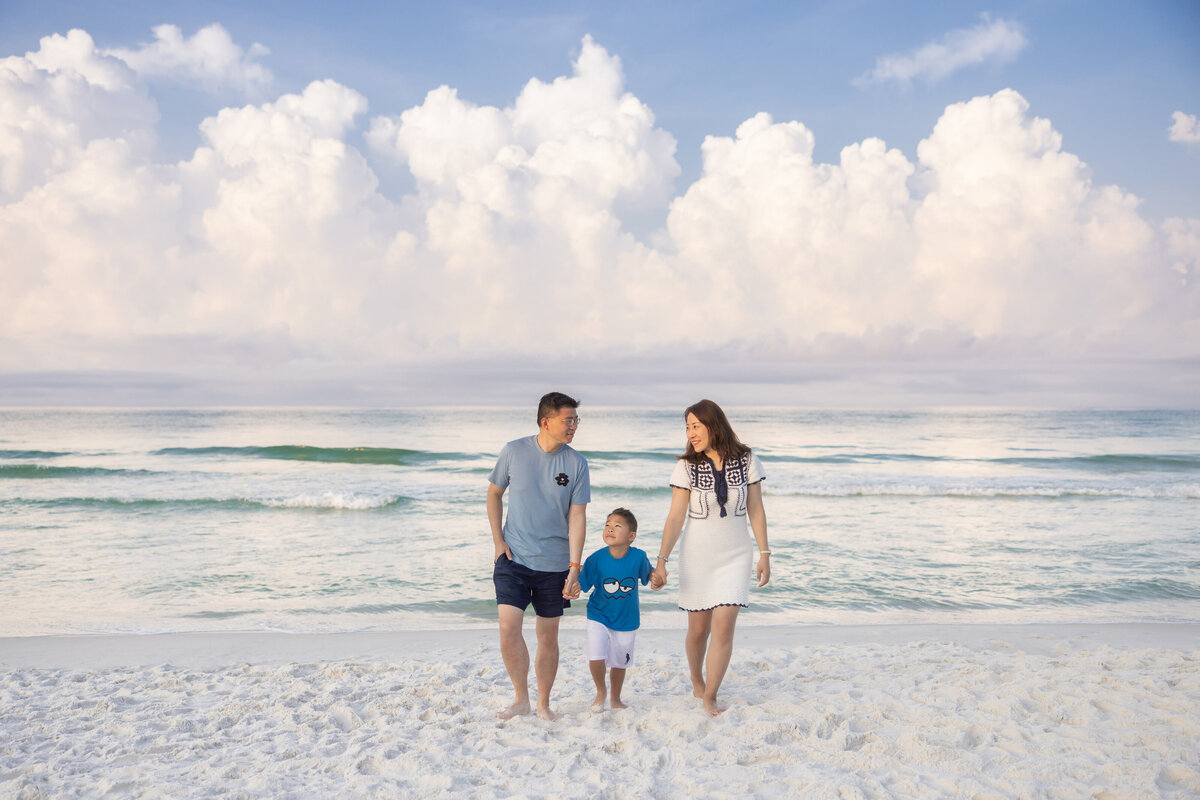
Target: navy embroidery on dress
point(720, 486)
point(736, 472)
point(703, 478)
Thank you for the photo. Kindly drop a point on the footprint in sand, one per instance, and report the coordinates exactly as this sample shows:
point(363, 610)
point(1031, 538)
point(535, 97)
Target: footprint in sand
point(1175, 778)
point(830, 724)
point(345, 718)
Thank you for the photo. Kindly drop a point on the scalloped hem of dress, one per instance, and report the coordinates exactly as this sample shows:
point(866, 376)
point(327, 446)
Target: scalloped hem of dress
point(718, 605)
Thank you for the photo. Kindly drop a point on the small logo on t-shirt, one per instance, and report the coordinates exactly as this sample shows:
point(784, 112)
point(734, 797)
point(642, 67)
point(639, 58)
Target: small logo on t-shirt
point(561, 479)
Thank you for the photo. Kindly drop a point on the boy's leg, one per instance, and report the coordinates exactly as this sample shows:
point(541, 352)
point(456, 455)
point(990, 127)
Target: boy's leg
point(617, 678)
point(597, 669)
point(597, 653)
point(516, 658)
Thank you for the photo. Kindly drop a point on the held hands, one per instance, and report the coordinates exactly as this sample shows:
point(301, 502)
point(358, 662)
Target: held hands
point(571, 589)
point(658, 577)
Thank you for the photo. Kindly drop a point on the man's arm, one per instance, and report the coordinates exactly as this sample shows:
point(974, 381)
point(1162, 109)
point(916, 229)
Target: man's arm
point(576, 533)
point(495, 511)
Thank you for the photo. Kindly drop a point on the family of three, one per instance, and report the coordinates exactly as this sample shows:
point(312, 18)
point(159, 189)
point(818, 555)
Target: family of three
point(716, 491)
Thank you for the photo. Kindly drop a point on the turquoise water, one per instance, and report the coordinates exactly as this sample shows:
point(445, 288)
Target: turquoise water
point(346, 519)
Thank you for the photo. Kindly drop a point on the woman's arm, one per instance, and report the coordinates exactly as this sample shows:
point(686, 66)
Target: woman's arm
point(671, 530)
point(758, 524)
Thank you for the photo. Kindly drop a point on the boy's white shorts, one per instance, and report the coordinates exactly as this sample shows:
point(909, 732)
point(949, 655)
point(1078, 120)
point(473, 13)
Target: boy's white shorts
point(614, 648)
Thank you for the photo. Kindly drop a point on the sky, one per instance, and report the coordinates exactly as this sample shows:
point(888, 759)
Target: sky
point(807, 203)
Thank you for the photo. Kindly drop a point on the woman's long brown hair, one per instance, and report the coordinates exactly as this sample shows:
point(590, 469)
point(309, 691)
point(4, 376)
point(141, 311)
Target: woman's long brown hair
point(720, 433)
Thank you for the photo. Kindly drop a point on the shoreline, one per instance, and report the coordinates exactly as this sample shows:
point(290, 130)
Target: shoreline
point(217, 648)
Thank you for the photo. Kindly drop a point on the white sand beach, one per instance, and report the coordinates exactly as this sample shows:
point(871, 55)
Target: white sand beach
point(975, 711)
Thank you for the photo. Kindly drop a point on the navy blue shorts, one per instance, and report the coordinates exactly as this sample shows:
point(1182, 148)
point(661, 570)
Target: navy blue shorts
point(518, 585)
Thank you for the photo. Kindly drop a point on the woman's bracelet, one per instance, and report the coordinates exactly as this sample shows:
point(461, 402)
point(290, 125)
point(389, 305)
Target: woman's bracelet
point(764, 552)
point(662, 559)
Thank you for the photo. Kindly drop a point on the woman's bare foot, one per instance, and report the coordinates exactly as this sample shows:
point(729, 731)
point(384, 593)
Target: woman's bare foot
point(598, 704)
point(515, 710)
point(546, 714)
point(617, 704)
point(711, 708)
point(697, 688)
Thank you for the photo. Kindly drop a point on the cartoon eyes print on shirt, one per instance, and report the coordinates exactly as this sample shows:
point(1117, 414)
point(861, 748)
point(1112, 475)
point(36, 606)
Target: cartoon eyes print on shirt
point(561, 479)
point(615, 588)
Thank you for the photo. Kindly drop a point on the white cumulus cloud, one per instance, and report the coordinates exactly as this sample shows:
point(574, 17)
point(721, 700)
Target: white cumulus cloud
point(209, 58)
point(1184, 128)
point(521, 207)
point(273, 243)
point(991, 40)
point(56, 100)
point(994, 234)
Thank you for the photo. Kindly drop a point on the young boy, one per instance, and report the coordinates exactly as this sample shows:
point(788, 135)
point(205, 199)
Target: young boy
point(612, 574)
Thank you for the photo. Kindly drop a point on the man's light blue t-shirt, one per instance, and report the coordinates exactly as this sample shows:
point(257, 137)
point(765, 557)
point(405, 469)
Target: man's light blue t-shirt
point(542, 487)
point(613, 583)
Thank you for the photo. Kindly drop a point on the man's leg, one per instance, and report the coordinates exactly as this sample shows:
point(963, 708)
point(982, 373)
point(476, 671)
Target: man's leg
point(516, 658)
point(546, 664)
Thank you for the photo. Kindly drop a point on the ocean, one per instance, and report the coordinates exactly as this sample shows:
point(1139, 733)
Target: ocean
point(328, 519)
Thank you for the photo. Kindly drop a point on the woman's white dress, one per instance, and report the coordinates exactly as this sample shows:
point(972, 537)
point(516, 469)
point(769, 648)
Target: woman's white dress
point(716, 554)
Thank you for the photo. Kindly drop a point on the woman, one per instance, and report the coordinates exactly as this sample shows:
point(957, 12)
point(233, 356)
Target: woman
point(717, 486)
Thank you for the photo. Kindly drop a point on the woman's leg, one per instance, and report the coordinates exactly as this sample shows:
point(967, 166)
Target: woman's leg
point(720, 649)
point(699, 625)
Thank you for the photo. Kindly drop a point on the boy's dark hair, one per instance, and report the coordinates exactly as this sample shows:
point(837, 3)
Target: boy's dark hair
point(551, 402)
point(627, 515)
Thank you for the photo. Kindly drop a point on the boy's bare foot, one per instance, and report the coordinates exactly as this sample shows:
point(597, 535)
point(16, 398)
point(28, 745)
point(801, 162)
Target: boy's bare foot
point(711, 708)
point(546, 714)
point(598, 704)
point(515, 710)
point(617, 704)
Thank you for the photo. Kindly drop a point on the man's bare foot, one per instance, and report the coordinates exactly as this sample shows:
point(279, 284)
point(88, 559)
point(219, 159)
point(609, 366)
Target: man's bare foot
point(617, 704)
point(515, 710)
point(546, 714)
point(598, 704)
point(711, 708)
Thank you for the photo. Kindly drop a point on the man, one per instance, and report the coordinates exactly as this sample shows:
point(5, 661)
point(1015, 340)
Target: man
point(539, 547)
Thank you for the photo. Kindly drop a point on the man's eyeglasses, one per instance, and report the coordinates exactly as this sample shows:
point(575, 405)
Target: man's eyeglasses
point(570, 422)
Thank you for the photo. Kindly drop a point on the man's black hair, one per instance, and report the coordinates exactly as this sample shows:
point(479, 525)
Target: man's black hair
point(552, 402)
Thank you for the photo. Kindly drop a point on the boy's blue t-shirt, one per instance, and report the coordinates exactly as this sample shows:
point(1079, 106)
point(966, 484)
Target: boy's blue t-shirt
point(613, 583)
